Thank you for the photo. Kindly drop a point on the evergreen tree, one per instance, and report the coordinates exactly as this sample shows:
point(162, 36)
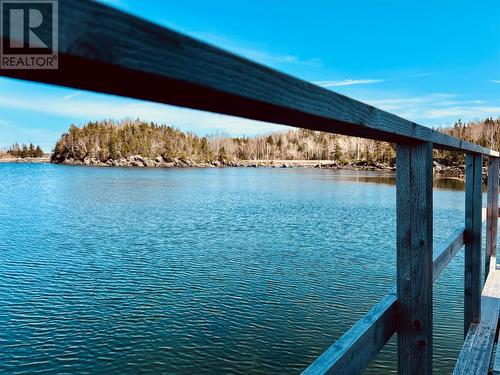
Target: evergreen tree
point(24, 152)
point(222, 154)
point(38, 152)
point(31, 151)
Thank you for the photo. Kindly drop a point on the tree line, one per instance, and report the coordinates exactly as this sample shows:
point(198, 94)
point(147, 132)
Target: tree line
point(485, 133)
point(25, 151)
point(105, 140)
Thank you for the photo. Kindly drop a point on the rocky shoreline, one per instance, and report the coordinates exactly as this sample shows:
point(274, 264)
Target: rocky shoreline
point(138, 161)
point(160, 162)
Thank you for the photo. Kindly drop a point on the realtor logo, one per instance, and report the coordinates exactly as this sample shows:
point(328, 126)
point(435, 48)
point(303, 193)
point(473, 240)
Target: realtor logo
point(28, 33)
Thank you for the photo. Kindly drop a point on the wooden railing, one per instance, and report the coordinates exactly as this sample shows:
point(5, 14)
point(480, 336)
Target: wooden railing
point(105, 50)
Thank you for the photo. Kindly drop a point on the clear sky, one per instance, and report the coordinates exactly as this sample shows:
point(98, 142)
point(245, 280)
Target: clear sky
point(428, 61)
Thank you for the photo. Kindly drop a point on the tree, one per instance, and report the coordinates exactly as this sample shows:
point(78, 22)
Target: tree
point(31, 151)
point(38, 152)
point(14, 150)
point(24, 152)
point(113, 140)
point(222, 154)
point(337, 153)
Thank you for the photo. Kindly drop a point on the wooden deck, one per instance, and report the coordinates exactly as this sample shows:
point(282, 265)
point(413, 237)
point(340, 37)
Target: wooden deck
point(477, 351)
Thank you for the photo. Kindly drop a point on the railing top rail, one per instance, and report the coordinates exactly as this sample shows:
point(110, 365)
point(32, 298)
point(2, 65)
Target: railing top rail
point(105, 50)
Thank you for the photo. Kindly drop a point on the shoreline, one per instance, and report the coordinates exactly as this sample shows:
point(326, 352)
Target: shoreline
point(137, 161)
point(159, 162)
point(43, 159)
point(452, 172)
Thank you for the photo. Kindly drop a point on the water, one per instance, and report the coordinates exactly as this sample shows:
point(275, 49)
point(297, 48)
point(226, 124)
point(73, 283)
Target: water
point(201, 270)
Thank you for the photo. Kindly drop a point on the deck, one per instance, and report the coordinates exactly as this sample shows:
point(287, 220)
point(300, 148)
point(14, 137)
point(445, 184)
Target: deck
point(477, 351)
point(108, 51)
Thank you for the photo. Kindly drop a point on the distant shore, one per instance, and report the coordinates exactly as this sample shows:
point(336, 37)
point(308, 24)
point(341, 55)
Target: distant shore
point(43, 159)
point(138, 161)
point(160, 162)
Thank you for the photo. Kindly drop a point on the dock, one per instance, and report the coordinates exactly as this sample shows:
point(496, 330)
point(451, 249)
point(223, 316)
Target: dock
point(105, 50)
point(477, 351)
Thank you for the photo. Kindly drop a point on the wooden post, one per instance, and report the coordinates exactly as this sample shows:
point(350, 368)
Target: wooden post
point(414, 257)
point(473, 223)
point(491, 213)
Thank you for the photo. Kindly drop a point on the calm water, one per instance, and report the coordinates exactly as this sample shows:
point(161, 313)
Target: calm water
point(201, 270)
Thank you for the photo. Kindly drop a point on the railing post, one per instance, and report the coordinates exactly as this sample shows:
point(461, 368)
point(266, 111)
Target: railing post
point(414, 257)
point(491, 213)
point(473, 223)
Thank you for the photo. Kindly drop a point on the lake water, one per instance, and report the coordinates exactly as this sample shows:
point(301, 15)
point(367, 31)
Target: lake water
point(202, 270)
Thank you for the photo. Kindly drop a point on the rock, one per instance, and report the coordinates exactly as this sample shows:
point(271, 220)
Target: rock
point(73, 162)
point(180, 163)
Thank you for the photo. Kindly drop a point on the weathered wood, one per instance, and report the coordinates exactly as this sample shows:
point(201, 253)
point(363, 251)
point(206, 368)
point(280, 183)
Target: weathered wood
point(359, 346)
point(496, 362)
point(105, 50)
point(492, 213)
point(446, 252)
point(475, 356)
point(473, 223)
point(354, 351)
point(414, 257)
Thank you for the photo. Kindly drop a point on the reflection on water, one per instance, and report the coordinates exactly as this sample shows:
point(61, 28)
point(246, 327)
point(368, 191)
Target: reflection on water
point(451, 183)
point(256, 271)
point(389, 178)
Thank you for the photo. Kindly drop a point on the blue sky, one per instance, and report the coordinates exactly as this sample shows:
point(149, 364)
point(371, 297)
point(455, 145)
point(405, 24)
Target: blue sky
point(428, 61)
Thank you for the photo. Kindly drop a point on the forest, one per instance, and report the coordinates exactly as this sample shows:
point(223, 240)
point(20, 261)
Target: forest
point(111, 140)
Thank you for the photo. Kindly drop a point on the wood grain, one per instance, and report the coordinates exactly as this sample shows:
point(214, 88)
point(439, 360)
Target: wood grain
point(473, 227)
point(491, 214)
point(414, 257)
point(446, 252)
point(354, 351)
point(476, 352)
